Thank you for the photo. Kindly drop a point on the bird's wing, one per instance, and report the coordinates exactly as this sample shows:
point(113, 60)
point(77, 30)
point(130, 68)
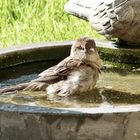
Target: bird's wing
point(59, 71)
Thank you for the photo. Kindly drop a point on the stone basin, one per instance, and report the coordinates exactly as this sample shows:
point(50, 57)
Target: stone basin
point(110, 112)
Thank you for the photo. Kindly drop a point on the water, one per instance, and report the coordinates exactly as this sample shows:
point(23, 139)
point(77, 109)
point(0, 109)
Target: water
point(114, 87)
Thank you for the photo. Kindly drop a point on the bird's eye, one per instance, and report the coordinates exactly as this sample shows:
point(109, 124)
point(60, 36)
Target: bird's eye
point(80, 48)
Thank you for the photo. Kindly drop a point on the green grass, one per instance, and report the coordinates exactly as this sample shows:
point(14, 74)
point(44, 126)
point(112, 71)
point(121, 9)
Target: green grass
point(29, 21)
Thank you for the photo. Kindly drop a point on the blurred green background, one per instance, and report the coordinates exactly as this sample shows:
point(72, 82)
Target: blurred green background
point(30, 21)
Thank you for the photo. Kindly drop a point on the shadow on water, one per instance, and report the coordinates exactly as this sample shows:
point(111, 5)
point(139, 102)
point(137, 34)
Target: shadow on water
point(23, 73)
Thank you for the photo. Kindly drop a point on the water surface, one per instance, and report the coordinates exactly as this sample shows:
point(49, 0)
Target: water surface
point(114, 87)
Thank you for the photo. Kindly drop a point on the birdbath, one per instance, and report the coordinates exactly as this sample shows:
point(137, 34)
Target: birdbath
point(110, 111)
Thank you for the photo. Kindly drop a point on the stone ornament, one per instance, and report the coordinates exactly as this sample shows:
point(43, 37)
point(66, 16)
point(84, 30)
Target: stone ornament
point(111, 18)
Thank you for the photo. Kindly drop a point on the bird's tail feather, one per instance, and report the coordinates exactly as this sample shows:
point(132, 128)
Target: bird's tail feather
point(14, 88)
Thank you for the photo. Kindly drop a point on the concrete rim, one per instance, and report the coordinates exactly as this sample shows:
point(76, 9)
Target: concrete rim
point(108, 50)
point(69, 111)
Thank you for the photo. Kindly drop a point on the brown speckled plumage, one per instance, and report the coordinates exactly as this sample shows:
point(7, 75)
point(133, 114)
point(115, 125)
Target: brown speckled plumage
point(76, 73)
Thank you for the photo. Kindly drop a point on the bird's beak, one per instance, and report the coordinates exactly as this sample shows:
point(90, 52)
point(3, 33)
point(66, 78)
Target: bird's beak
point(91, 50)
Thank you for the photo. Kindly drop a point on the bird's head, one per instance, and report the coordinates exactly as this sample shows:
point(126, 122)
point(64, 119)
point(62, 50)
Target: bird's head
point(85, 49)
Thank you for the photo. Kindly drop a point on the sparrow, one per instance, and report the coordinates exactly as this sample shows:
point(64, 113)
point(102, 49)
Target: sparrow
point(75, 74)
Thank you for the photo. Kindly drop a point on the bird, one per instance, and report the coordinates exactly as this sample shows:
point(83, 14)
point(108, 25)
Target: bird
point(111, 18)
point(75, 74)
